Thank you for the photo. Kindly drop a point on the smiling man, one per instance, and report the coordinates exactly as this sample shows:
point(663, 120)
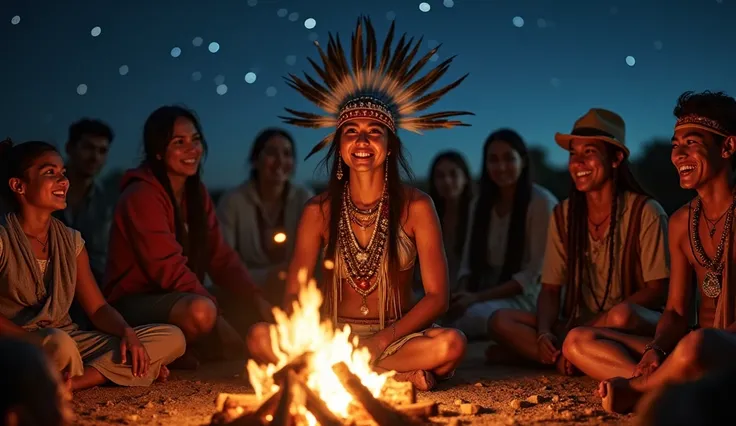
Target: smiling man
point(89, 207)
point(701, 238)
point(606, 247)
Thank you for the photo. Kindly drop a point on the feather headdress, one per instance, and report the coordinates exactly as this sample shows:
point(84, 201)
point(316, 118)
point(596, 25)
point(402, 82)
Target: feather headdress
point(382, 88)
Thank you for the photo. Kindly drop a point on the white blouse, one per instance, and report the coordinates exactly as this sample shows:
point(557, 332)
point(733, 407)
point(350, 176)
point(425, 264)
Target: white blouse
point(540, 208)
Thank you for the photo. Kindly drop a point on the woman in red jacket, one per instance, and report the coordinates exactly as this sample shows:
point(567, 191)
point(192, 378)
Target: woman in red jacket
point(165, 237)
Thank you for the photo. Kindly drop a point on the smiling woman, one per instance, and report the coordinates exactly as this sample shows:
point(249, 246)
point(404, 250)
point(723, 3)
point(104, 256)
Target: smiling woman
point(165, 237)
point(259, 217)
point(38, 252)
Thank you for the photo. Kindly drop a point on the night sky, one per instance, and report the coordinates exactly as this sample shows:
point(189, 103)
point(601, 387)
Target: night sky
point(535, 65)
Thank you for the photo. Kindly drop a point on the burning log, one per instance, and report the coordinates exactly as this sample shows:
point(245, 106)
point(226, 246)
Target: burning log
point(299, 365)
point(283, 416)
point(381, 412)
point(317, 407)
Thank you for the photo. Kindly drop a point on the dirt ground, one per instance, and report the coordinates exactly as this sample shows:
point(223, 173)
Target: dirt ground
point(187, 399)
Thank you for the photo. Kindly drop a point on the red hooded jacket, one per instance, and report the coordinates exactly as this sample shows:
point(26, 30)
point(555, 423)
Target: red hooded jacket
point(144, 255)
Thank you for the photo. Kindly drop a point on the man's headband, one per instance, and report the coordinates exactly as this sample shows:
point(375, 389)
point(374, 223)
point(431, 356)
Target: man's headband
point(694, 121)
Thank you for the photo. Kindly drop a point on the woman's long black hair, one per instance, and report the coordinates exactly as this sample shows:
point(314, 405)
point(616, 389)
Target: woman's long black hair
point(488, 197)
point(157, 133)
point(577, 224)
point(466, 196)
point(260, 142)
point(396, 163)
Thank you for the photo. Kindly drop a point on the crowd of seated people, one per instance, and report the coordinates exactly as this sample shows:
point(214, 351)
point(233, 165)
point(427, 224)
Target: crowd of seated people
point(119, 286)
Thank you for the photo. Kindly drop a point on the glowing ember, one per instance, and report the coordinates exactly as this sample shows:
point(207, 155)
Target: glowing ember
point(304, 332)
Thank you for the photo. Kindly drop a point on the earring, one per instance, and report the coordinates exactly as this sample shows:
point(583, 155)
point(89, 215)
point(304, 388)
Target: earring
point(339, 168)
point(385, 174)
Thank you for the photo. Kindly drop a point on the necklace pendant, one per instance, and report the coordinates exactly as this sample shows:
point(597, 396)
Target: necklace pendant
point(363, 284)
point(712, 232)
point(364, 308)
point(711, 284)
point(361, 257)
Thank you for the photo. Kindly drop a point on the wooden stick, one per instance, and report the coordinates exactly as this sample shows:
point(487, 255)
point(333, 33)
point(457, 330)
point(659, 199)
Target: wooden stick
point(398, 393)
point(381, 412)
point(250, 402)
point(316, 406)
point(282, 416)
point(298, 365)
point(269, 407)
point(420, 409)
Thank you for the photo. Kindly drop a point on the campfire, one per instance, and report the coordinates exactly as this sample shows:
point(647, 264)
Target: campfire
point(322, 377)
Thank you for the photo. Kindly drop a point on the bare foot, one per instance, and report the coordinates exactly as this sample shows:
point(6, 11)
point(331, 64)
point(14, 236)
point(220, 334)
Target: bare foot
point(618, 396)
point(565, 367)
point(188, 361)
point(67, 389)
point(421, 379)
point(163, 374)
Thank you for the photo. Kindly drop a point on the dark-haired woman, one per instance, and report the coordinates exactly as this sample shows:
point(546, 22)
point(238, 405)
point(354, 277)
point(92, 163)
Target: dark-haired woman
point(165, 237)
point(502, 260)
point(451, 189)
point(44, 267)
point(368, 223)
point(606, 246)
point(257, 213)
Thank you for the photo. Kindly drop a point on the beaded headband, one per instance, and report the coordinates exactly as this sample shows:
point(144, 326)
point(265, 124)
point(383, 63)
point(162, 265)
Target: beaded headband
point(694, 121)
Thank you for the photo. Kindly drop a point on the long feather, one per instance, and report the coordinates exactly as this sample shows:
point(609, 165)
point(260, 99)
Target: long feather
point(370, 50)
point(392, 77)
point(429, 99)
point(323, 143)
point(386, 50)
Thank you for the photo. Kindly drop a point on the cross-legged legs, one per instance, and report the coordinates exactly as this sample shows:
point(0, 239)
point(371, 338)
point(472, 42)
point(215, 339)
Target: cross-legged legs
point(698, 352)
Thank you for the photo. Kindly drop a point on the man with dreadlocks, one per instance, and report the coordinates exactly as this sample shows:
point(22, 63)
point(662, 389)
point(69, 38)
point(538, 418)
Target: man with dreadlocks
point(606, 247)
point(368, 224)
point(701, 241)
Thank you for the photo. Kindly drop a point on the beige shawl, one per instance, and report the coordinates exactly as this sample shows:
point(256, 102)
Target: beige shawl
point(26, 298)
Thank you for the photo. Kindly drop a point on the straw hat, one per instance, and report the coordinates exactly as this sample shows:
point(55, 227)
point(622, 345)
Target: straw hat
point(597, 124)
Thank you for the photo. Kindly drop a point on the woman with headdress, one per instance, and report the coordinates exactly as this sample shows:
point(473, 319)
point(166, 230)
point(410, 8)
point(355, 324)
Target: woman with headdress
point(369, 225)
point(44, 267)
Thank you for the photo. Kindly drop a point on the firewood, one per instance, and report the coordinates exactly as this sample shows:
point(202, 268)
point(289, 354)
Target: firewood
point(246, 420)
point(381, 412)
point(250, 402)
point(398, 393)
point(269, 406)
point(282, 416)
point(298, 365)
point(421, 409)
point(315, 405)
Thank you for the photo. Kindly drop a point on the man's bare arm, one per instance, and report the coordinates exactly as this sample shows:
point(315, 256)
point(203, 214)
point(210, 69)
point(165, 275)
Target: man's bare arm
point(673, 325)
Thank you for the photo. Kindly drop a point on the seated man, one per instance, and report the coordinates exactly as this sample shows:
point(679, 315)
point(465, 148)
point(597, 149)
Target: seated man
point(606, 246)
point(701, 239)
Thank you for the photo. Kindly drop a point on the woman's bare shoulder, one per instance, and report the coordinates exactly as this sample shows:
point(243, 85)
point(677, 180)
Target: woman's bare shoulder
point(417, 198)
point(317, 207)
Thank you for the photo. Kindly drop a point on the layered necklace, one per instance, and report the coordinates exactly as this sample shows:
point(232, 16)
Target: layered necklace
point(363, 263)
point(711, 284)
